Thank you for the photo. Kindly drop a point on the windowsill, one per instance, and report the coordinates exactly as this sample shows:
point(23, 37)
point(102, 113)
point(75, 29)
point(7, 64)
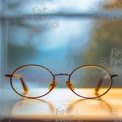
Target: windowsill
point(61, 104)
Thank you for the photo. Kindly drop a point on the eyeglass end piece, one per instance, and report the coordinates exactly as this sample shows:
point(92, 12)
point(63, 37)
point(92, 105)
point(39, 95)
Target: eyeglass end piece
point(114, 76)
point(8, 75)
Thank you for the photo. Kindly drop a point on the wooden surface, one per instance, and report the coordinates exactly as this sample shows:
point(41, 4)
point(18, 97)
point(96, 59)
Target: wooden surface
point(61, 104)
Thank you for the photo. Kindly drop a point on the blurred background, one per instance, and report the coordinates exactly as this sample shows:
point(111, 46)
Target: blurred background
point(60, 35)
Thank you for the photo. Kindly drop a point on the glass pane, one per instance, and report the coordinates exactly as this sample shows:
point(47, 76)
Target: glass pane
point(61, 35)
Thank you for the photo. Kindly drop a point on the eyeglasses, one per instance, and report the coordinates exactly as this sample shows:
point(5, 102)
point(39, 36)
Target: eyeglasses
point(87, 81)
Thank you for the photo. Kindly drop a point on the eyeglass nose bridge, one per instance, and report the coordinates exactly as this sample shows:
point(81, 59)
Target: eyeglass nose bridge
point(68, 83)
point(54, 83)
point(61, 74)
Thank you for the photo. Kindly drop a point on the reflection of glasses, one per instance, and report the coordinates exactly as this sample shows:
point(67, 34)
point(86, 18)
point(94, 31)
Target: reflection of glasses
point(34, 81)
point(24, 104)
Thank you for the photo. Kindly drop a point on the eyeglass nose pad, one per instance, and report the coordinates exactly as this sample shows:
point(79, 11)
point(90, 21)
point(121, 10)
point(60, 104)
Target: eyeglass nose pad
point(52, 85)
point(70, 86)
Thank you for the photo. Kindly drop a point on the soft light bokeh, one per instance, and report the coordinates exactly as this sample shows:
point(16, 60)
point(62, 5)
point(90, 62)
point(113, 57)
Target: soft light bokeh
point(60, 43)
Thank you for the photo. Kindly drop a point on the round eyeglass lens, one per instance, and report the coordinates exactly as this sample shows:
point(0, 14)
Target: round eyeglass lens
point(91, 81)
point(32, 81)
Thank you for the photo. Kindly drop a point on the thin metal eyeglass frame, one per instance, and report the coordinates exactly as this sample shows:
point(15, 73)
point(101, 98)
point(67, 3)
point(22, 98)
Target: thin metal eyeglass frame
point(53, 83)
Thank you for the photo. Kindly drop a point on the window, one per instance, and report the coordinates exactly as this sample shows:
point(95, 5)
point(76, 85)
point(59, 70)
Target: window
point(60, 35)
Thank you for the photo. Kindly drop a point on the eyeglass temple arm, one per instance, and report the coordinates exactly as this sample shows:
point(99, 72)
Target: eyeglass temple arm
point(25, 88)
point(100, 82)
